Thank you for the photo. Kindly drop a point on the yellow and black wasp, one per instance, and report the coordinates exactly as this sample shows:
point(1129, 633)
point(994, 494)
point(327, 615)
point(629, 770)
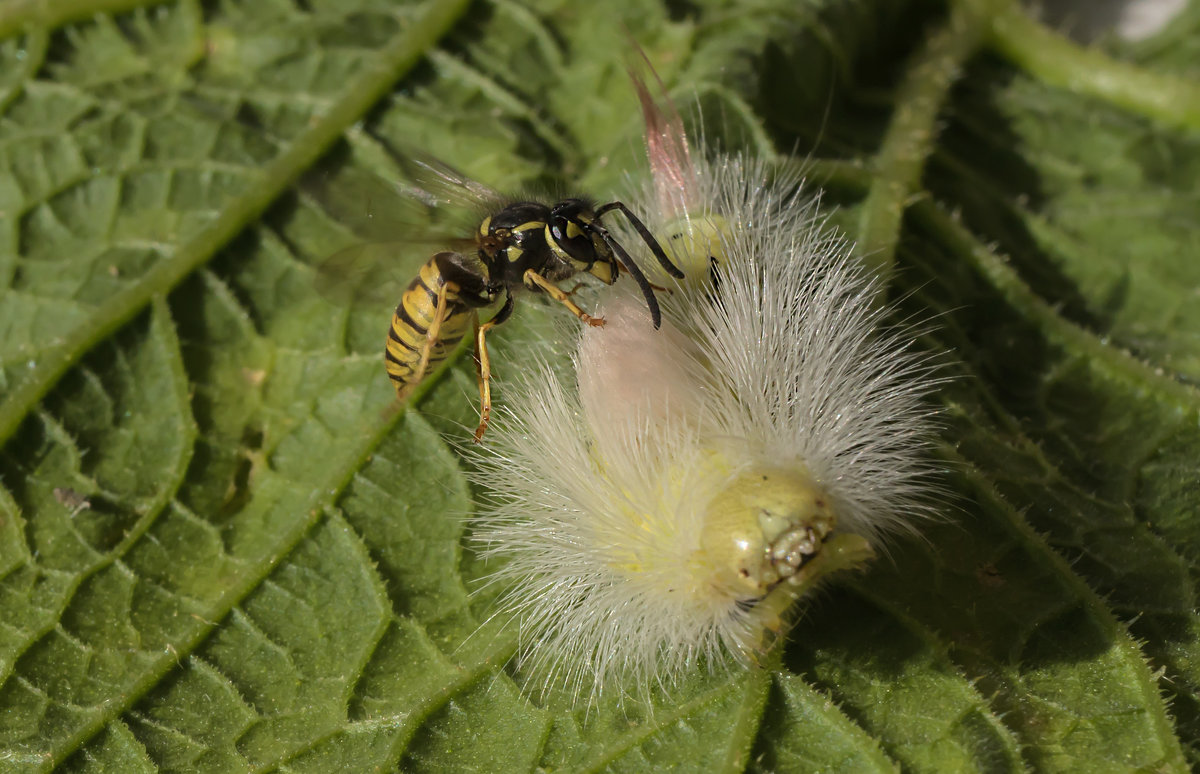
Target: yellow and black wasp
point(524, 244)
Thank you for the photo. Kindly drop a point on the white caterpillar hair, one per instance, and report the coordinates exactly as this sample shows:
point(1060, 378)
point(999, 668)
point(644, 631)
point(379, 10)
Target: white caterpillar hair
point(645, 518)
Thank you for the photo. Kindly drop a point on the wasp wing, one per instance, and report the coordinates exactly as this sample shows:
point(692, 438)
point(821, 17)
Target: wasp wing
point(377, 272)
point(436, 207)
point(370, 207)
point(399, 227)
point(447, 186)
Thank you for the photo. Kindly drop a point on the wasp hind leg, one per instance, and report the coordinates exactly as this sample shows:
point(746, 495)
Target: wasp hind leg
point(483, 366)
point(561, 296)
point(431, 337)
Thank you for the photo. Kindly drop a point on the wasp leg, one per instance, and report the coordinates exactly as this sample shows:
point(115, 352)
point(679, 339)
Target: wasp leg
point(483, 373)
point(483, 366)
point(561, 296)
point(624, 259)
point(431, 335)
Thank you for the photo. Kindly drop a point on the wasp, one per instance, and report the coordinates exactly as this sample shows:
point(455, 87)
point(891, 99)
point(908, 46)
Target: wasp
point(523, 245)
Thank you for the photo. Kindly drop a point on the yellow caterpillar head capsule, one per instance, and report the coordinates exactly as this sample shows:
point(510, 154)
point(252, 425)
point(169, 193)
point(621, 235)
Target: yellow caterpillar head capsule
point(767, 538)
point(762, 529)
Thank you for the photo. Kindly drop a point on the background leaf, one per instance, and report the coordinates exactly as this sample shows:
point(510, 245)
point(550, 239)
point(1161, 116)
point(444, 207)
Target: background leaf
point(220, 550)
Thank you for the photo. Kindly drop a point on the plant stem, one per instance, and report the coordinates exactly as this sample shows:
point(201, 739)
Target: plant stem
point(1058, 61)
point(39, 14)
point(899, 164)
point(1109, 359)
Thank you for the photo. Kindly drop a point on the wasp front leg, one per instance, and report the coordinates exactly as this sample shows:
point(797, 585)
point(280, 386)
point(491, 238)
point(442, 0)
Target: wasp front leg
point(532, 278)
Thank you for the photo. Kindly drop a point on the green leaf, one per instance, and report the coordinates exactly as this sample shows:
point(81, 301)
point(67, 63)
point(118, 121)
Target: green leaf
point(221, 549)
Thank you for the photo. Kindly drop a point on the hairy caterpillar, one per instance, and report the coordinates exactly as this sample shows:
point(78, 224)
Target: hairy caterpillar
point(668, 505)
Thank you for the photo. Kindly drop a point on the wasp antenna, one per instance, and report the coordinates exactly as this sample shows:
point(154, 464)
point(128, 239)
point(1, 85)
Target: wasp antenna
point(646, 236)
point(634, 271)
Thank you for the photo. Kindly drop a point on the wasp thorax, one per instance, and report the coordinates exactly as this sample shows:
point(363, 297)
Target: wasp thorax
point(761, 529)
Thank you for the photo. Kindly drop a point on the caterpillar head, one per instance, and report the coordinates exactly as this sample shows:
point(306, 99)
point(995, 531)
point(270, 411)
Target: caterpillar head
point(761, 530)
